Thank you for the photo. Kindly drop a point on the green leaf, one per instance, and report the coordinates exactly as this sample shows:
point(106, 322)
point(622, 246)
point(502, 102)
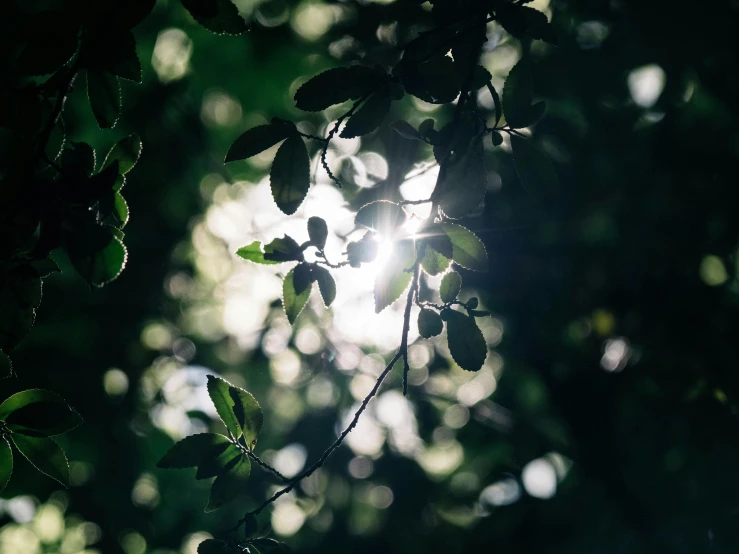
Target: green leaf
point(326, 284)
point(283, 249)
point(292, 302)
point(104, 265)
point(450, 286)
point(370, 116)
point(38, 413)
point(429, 323)
point(213, 546)
point(104, 93)
point(383, 217)
point(361, 251)
point(248, 414)
point(290, 175)
point(468, 250)
point(120, 209)
point(258, 139)
point(534, 169)
point(518, 94)
point(405, 129)
point(6, 463)
point(190, 451)
point(229, 485)
point(464, 181)
point(393, 279)
point(210, 466)
point(45, 455)
point(123, 60)
point(317, 232)
point(78, 159)
point(44, 267)
point(126, 152)
point(218, 389)
point(338, 85)
point(434, 262)
point(466, 343)
point(253, 253)
point(218, 16)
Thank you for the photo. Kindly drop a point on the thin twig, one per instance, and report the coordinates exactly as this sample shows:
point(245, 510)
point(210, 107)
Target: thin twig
point(265, 465)
point(407, 325)
point(308, 472)
point(332, 132)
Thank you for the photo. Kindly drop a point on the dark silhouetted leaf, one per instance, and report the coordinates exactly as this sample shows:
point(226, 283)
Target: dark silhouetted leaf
point(326, 284)
point(45, 455)
point(496, 138)
point(338, 85)
point(518, 93)
point(218, 16)
point(78, 159)
point(302, 277)
point(535, 113)
point(435, 81)
point(218, 389)
point(393, 279)
point(45, 28)
point(44, 267)
point(317, 232)
point(120, 209)
point(496, 103)
point(258, 139)
point(213, 546)
point(450, 286)
point(190, 451)
point(126, 152)
point(6, 462)
point(429, 44)
point(464, 181)
point(290, 175)
point(249, 415)
point(38, 413)
point(534, 169)
point(468, 250)
point(292, 302)
point(210, 466)
point(429, 323)
point(369, 116)
point(466, 343)
point(383, 217)
point(361, 251)
point(104, 93)
point(283, 249)
point(229, 485)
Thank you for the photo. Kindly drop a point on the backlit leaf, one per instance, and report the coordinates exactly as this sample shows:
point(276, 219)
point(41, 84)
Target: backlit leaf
point(464, 181)
point(248, 413)
point(382, 216)
point(290, 175)
point(229, 485)
point(292, 302)
point(190, 451)
point(393, 279)
point(450, 286)
point(317, 232)
point(326, 284)
point(218, 16)
point(338, 85)
point(38, 413)
point(429, 323)
point(126, 152)
point(210, 466)
point(468, 250)
point(218, 389)
point(45, 455)
point(369, 116)
point(518, 93)
point(104, 93)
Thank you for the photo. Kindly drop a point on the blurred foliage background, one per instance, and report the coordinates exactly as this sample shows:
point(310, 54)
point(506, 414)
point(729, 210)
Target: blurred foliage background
point(605, 417)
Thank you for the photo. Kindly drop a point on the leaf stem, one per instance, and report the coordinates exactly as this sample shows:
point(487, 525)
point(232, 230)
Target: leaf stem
point(407, 325)
point(332, 132)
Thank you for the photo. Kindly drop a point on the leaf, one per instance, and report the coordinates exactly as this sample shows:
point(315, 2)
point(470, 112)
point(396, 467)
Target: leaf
point(450, 286)
point(290, 175)
point(218, 16)
point(112, 50)
point(45, 455)
point(258, 139)
point(535, 113)
point(104, 93)
point(210, 466)
point(534, 169)
point(44, 267)
point(103, 266)
point(38, 413)
point(218, 389)
point(369, 116)
point(326, 284)
point(382, 216)
point(302, 277)
point(464, 181)
point(229, 485)
point(251, 525)
point(468, 250)
point(338, 85)
point(518, 94)
point(393, 279)
point(466, 343)
point(317, 232)
point(429, 323)
point(213, 546)
point(435, 81)
point(249, 415)
point(425, 128)
point(253, 253)
point(45, 28)
point(364, 250)
point(496, 102)
point(405, 129)
point(496, 138)
point(433, 262)
point(428, 44)
point(6, 463)
point(78, 159)
point(283, 249)
point(480, 78)
point(126, 152)
point(120, 209)
point(190, 451)
point(292, 302)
